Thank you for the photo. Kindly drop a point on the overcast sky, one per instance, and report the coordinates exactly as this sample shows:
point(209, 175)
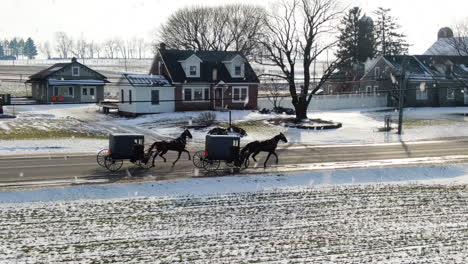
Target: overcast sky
point(102, 19)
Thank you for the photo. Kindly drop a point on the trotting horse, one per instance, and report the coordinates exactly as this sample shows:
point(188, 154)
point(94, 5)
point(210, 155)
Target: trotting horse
point(178, 144)
point(256, 147)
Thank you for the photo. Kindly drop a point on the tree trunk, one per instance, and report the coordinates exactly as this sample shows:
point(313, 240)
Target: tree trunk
point(301, 109)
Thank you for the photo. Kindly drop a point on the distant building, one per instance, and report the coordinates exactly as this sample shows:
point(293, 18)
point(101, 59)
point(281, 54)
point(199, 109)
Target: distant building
point(70, 82)
point(206, 80)
point(449, 45)
point(145, 94)
point(429, 80)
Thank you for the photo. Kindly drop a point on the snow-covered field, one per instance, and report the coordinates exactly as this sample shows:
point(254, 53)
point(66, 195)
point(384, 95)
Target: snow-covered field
point(297, 218)
point(360, 126)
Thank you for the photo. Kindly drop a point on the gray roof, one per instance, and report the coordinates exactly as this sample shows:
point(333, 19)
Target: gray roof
point(146, 80)
point(446, 47)
point(210, 60)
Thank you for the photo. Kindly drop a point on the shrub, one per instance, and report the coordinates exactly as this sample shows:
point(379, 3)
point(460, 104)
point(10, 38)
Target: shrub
point(205, 119)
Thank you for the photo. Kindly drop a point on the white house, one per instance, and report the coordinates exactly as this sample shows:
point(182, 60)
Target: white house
point(145, 94)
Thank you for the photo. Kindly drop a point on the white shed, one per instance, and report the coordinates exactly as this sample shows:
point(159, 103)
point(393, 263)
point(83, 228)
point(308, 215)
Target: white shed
point(145, 94)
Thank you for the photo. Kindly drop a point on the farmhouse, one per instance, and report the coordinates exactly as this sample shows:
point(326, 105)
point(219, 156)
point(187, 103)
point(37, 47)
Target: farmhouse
point(207, 80)
point(430, 81)
point(70, 82)
point(145, 94)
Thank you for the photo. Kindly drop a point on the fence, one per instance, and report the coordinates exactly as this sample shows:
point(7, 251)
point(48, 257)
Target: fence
point(334, 102)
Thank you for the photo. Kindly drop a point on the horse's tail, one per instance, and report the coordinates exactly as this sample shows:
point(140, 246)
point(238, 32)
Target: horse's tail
point(156, 145)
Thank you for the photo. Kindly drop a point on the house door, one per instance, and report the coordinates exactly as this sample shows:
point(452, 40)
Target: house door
point(88, 94)
point(219, 98)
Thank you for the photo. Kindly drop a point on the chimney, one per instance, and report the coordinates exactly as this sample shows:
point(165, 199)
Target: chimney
point(162, 46)
point(73, 59)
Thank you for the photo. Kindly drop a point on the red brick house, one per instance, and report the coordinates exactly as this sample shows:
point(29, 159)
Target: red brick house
point(208, 80)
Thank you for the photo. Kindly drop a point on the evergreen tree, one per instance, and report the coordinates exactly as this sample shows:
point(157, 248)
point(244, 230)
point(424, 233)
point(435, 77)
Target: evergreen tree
point(20, 49)
point(356, 42)
point(13, 46)
point(1, 51)
point(389, 40)
point(30, 49)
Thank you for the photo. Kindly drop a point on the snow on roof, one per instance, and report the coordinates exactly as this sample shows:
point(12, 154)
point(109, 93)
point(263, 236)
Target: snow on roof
point(145, 80)
point(445, 46)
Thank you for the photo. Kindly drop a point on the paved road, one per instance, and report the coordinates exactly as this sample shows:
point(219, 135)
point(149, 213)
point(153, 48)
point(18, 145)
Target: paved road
point(76, 169)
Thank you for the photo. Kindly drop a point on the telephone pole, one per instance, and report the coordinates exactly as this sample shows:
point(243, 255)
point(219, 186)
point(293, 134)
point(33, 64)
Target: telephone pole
point(401, 96)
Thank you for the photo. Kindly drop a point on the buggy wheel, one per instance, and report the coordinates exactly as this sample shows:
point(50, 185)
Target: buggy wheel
point(146, 162)
point(211, 165)
point(101, 157)
point(112, 164)
point(198, 159)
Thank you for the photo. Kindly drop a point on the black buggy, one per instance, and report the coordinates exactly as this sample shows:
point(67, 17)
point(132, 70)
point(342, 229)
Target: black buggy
point(219, 148)
point(124, 147)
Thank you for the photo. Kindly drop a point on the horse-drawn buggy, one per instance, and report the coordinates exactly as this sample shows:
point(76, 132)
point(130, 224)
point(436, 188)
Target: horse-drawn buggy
point(224, 148)
point(124, 147)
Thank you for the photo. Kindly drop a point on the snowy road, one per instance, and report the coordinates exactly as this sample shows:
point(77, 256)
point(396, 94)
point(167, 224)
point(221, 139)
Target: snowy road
point(344, 224)
point(57, 170)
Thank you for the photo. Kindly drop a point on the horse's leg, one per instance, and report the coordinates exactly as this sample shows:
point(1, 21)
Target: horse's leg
point(162, 153)
point(255, 154)
point(178, 157)
point(274, 153)
point(154, 157)
point(268, 157)
point(188, 153)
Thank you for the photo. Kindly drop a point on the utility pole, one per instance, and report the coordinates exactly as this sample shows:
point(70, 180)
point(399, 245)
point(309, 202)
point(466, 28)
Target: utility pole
point(401, 96)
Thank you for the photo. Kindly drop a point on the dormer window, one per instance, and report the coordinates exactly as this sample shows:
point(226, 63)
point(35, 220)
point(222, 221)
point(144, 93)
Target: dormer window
point(193, 70)
point(75, 71)
point(237, 70)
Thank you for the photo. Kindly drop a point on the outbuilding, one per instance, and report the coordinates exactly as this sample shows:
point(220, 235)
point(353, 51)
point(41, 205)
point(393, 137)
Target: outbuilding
point(145, 94)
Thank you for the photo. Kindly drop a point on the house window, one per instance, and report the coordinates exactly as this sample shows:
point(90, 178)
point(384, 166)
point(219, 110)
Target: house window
point(376, 87)
point(85, 91)
point(63, 91)
point(377, 72)
point(421, 94)
point(122, 96)
point(155, 97)
point(75, 71)
point(239, 94)
point(193, 70)
point(187, 94)
point(450, 93)
point(198, 94)
point(237, 70)
point(130, 96)
point(91, 91)
point(368, 89)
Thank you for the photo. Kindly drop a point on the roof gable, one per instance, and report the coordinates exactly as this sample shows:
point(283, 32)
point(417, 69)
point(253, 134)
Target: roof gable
point(210, 60)
point(60, 67)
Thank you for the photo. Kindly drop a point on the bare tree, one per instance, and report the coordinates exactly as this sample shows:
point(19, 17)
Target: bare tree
point(459, 42)
point(79, 48)
point(301, 29)
point(63, 44)
point(111, 47)
point(45, 49)
point(231, 27)
point(274, 93)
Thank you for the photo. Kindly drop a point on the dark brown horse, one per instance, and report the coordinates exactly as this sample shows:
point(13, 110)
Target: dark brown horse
point(256, 147)
point(178, 144)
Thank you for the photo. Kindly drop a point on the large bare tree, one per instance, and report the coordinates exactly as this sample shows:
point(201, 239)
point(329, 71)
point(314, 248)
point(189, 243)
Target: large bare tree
point(459, 42)
point(229, 27)
point(63, 44)
point(300, 31)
